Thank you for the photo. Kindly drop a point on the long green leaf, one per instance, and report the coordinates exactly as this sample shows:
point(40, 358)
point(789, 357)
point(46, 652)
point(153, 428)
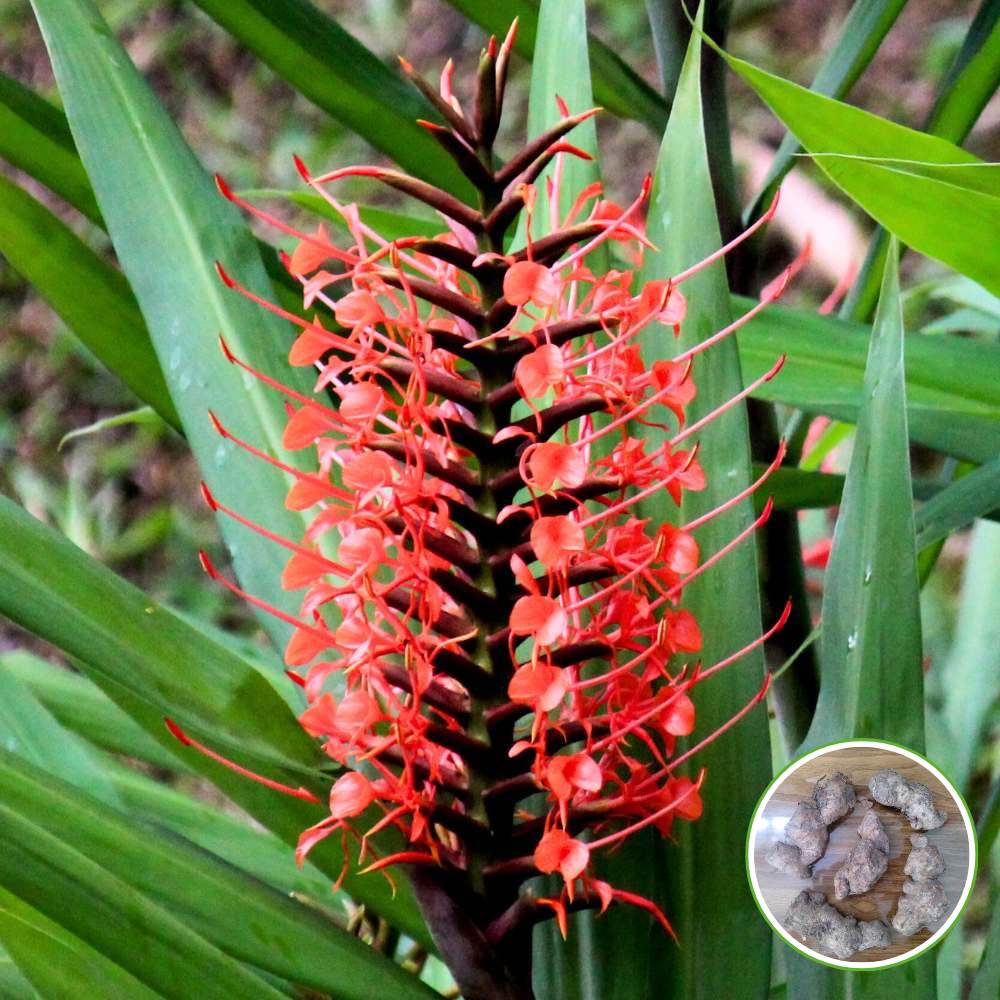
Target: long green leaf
point(59, 964)
point(972, 79)
point(617, 86)
point(872, 678)
point(860, 37)
point(244, 918)
point(871, 655)
point(88, 294)
point(13, 985)
point(309, 49)
point(47, 870)
point(169, 226)
point(986, 985)
point(28, 730)
point(974, 495)
point(969, 679)
point(35, 137)
point(952, 400)
point(967, 87)
point(560, 66)
point(695, 883)
point(82, 708)
point(152, 664)
point(952, 220)
point(231, 838)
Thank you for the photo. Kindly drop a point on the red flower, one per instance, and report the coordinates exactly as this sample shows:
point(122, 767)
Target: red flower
point(498, 620)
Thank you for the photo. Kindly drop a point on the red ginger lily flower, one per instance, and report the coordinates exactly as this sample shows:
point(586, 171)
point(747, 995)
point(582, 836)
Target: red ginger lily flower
point(486, 551)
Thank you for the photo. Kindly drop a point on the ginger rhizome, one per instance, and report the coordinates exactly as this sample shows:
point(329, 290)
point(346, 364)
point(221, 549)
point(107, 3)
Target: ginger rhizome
point(867, 861)
point(912, 798)
point(833, 932)
point(924, 902)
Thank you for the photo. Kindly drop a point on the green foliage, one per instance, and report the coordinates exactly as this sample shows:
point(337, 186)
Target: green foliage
point(120, 872)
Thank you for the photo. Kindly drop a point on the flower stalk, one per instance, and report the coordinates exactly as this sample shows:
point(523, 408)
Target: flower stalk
point(485, 622)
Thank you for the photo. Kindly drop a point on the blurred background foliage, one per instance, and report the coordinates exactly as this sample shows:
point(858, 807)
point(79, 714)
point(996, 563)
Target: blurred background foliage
point(128, 494)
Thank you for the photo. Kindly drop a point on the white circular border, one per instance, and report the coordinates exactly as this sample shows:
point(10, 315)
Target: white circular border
point(819, 956)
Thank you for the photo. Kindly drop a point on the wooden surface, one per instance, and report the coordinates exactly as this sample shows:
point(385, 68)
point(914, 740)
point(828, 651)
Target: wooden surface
point(879, 903)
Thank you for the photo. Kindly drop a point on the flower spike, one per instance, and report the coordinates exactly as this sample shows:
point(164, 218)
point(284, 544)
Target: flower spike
point(471, 551)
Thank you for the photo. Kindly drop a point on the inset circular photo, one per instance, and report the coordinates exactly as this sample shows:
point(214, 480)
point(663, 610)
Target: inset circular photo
point(861, 854)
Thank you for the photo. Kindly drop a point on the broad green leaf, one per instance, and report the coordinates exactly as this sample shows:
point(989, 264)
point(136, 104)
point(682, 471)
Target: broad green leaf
point(560, 67)
point(309, 49)
point(988, 825)
point(49, 872)
point(35, 138)
point(89, 295)
point(860, 37)
point(152, 665)
point(951, 220)
point(986, 984)
point(871, 669)
point(82, 708)
point(952, 402)
point(694, 880)
point(972, 79)
point(969, 678)
point(871, 672)
point(232, 911)
point(232, 839)
point(28, 730)
point(974, 495)
point(59, 964)
point(13, 985)
point(169, 225)
point(967, 87)
point(617, 86)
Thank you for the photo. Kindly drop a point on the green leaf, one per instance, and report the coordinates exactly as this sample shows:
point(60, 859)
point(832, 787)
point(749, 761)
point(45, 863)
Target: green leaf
point(974, 495)
point(695, 880)
point(169, 226)
point(617, 86)
point(232, 839)
point(87, 293)
point(84, 709)
point(152, 664)
point(967, 87)
point(972, 79)
point(237, 914)
point(969, 678)
point(49, 872)
point(28, 730)
point(871, 670)
point(13, 985)
point(860, 37)
point(560, 66)
point(952, 402)
point(951, 219)
point(326, 64)
point(35, 138)
point(58, 963)
point(871, 655)
point(986, 985)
